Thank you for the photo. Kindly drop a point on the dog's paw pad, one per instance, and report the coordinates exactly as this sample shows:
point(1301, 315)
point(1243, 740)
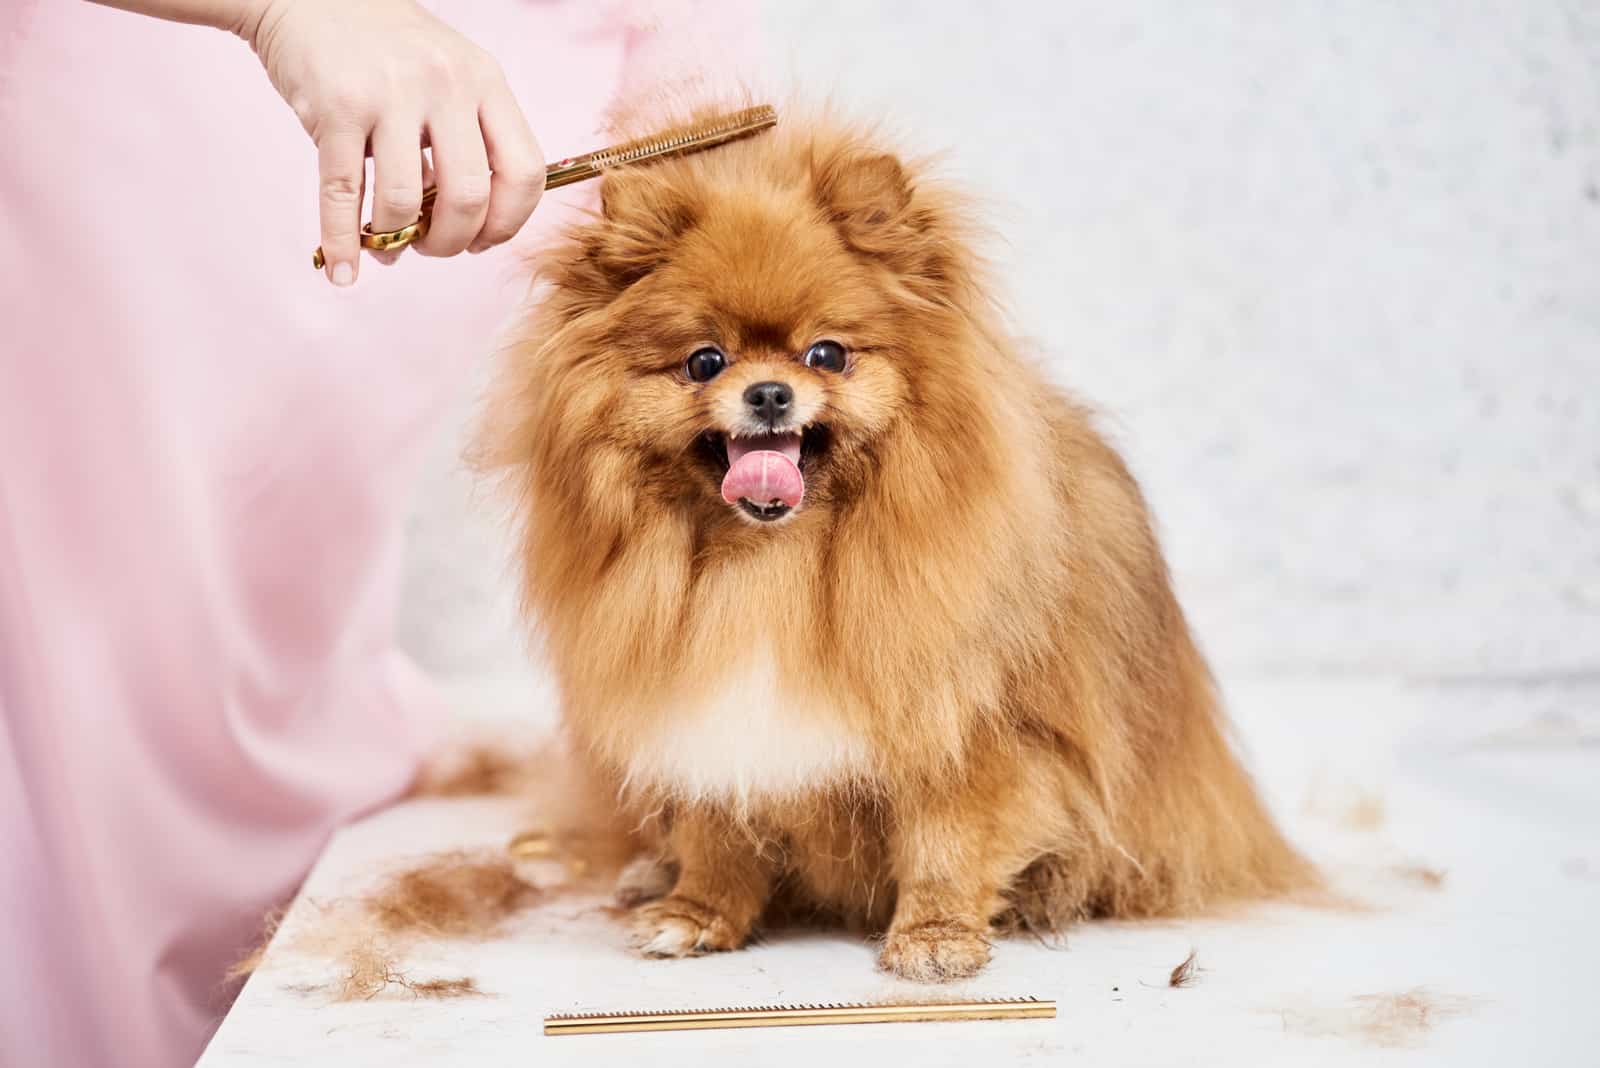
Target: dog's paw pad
point(934, 953)
point(677, 927)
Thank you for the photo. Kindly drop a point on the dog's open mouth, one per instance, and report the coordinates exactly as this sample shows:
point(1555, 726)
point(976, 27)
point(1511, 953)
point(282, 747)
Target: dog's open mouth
point(764, 475)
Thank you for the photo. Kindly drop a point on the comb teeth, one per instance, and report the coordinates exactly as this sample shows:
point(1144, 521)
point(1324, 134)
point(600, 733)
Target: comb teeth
point(715, 132)
point(707, 134)
point(823, 1006)
point(802, 1014)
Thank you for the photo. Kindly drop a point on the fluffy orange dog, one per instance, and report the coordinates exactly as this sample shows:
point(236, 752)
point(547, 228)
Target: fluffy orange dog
point(856, 612)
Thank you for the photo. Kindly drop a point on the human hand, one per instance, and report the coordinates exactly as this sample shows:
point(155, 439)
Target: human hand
point(389, 76)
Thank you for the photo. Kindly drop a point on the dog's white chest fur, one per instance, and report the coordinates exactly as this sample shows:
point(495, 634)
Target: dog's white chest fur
point(747, 739)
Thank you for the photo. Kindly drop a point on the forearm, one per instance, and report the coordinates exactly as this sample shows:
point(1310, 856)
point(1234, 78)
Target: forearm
point(235, 16)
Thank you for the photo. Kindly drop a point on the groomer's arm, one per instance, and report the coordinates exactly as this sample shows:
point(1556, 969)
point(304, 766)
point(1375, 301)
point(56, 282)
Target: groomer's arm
point(386, 77)
point(227, 15)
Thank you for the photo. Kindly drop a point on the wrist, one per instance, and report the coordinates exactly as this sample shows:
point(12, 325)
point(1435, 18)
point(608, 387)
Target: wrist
point(243, 18)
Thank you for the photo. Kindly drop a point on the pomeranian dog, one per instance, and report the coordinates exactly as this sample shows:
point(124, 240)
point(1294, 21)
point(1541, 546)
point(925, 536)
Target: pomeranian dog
point(856, 612)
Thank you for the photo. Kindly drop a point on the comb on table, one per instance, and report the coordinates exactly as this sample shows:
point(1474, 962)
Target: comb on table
point(599, 1023)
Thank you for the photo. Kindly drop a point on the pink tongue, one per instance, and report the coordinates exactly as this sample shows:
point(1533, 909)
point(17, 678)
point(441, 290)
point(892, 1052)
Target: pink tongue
point(764, 469)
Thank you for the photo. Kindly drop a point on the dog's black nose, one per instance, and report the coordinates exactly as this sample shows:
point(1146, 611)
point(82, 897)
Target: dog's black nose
point(769, 400)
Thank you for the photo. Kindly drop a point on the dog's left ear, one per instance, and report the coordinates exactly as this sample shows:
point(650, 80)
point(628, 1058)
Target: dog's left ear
point(873, 204)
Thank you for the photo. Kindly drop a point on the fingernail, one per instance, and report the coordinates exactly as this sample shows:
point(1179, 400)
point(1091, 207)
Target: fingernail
point(343, 274)
point(475, 248)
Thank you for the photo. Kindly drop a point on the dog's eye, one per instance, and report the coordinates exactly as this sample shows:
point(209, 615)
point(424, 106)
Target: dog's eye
point(825, 356)
point(704, 364)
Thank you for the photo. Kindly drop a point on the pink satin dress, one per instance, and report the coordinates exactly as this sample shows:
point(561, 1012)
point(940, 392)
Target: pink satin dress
point(206, 453)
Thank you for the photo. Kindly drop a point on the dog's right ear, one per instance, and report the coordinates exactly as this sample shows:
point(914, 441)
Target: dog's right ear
point(642, 219)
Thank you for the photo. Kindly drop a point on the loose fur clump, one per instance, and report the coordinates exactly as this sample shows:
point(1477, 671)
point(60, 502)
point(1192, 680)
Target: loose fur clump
point(1350, 807)
point(246, 965)
point(937, 684)
point(460, 894)
point(439, 989)
point(1429, 878)
point(1184, 973)
point(452, 895)
point(1391, 1020)
point(372, 968)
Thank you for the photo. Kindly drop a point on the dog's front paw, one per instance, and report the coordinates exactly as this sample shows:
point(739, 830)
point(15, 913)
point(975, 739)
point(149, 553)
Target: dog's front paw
point(679, 927)
point(934, 952)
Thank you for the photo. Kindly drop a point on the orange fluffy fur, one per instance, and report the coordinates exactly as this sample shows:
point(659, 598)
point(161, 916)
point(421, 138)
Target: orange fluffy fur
point(953, 689)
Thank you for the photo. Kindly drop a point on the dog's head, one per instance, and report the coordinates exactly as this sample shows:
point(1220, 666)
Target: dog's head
point(738, 334)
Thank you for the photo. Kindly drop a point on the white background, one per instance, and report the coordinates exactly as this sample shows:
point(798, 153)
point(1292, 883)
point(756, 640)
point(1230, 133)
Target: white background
point(1331, 270)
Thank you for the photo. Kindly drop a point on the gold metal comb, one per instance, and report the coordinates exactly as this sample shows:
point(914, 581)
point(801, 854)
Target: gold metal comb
point(600, 1023)
point(678, 142)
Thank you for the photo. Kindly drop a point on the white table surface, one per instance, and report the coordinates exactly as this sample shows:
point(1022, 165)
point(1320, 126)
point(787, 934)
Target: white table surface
point(1498, 790)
